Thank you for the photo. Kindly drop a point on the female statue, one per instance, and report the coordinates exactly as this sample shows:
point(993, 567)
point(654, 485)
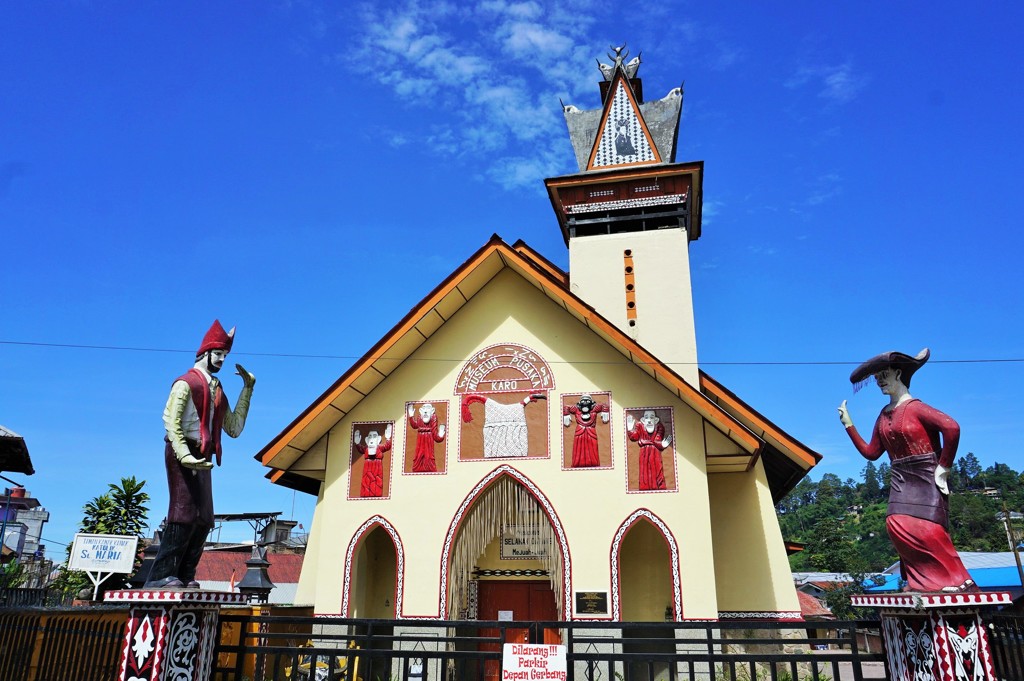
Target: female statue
point(909, 430)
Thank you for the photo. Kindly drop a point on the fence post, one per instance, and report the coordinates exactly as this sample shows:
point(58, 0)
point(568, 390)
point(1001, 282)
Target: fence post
point(858, 673)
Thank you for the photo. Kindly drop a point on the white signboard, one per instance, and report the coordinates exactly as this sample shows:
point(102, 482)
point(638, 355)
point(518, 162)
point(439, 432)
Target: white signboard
point(522, 662)
point(519, 542)
point(106, 553)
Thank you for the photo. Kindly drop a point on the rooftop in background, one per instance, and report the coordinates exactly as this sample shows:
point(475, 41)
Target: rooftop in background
point(812, 608)
point(14, 456)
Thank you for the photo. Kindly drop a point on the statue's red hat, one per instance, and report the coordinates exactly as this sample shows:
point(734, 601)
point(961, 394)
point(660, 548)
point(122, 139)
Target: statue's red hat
point(216, 339)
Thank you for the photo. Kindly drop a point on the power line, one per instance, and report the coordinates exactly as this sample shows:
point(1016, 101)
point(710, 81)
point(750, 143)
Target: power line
point(125, 348)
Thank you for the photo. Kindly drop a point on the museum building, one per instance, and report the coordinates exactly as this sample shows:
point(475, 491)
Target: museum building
point(567, 459)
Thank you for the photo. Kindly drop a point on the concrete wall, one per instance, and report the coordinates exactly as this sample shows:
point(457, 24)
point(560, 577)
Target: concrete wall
point(664, 298)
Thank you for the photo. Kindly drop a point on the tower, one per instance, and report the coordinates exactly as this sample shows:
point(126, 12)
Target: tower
point(630, 212)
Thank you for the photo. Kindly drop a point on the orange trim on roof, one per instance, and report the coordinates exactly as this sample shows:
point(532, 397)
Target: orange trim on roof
point(712, 386)
point(550, 268)
point(552, 279)
point(274, 447)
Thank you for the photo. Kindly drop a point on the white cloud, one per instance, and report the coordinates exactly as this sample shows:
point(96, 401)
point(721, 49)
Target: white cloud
point(839, 84)
point(487, 77)
point(525, 40)
point(709, 211)
point(526, 171)
point(758, 249)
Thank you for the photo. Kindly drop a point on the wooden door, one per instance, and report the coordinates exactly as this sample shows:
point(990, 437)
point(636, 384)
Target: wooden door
point(528, 602)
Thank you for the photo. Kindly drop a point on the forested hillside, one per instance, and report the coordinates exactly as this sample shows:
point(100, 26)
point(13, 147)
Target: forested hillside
point(842, 523)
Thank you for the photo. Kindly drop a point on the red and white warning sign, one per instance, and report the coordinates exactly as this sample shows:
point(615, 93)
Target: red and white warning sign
point(522, 662)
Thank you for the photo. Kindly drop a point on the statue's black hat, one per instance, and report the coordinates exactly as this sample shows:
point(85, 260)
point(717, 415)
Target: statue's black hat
point(890, 360)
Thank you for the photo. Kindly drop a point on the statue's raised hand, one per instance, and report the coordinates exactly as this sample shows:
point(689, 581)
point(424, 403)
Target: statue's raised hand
point(248, 379)
point(844, 415)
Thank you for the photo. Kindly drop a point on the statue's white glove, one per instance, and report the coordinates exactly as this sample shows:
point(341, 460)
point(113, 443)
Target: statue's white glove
point(942, 479)
point(248, 380)
point(844, 415)
point(189, 461)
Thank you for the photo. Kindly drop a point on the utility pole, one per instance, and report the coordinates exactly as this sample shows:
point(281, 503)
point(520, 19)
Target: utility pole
point(1012, 538)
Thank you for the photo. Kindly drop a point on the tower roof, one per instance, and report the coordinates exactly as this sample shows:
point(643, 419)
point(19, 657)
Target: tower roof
point(625, 131)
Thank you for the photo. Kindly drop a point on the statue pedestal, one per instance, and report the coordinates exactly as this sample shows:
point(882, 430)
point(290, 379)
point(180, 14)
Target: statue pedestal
point(170, 633)
point(935, 635)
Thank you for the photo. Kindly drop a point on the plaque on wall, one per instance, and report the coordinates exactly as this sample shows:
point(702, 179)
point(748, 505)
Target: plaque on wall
point(591, 602)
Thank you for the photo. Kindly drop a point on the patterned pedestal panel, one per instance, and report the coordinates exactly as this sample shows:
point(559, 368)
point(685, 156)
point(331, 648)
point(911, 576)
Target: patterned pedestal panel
point(171, 633)
point(935, 636)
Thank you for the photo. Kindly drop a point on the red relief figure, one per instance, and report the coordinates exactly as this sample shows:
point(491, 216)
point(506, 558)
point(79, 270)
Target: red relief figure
point(909, 430)
point(584, 444)
point(649, 433)
point(372, 451)
point(428, 432)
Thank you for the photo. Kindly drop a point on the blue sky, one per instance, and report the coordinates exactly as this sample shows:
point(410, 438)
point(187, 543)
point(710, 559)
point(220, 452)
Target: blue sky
point(308, 171)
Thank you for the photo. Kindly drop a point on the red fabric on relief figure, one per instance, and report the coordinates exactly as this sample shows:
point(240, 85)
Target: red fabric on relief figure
point(426, 435)
point(652, 471)
point(372, 484)
point(584, 444)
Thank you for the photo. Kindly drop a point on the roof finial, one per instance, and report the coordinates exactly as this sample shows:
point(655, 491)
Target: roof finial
point(621, 53)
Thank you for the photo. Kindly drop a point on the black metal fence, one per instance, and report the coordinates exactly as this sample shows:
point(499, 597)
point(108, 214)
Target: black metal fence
point(33, 598)
point(61, 644)
point(1006, 637)
point(332, 648)
point(57, 644)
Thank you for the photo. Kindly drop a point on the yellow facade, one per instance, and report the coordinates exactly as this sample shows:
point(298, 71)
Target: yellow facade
point(707, 546)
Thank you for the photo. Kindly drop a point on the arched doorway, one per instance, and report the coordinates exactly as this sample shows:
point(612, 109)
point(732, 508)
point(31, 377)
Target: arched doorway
point(505, 509)
point(646, 588)
point(506, 558)
point(374, 572)
point(645, 571)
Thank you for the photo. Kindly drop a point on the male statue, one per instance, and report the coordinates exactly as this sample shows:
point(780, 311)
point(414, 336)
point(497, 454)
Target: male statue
point(196, 411)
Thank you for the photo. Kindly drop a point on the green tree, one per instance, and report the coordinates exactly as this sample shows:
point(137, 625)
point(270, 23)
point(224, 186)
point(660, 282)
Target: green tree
point(120, 510)
point(830, 548)
point(129, 512)
point(973, 525)
point(872, 487)
point(884, 477)
point(12, 574)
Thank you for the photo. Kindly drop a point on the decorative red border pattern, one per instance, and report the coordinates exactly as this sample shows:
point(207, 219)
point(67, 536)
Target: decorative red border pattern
point(174, 596)
point(920, 601)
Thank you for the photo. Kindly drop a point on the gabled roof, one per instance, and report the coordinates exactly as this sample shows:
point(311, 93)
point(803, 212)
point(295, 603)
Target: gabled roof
point(448, 298)
point(786, 459)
